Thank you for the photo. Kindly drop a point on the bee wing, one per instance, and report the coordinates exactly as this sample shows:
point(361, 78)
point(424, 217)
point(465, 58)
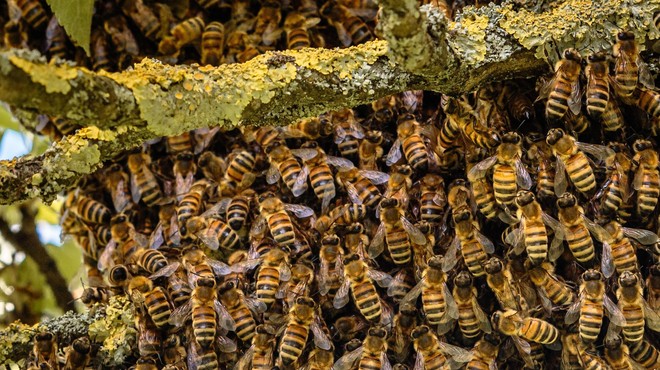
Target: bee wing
point(645, 76)
point(452, 307)
point(484, 321)
point(339, 162)
point(321, 339)
point(598, 231)
point(272, 174)
point(486, 244)
point(165, 271)
point(106, 259)
point(300, 185)
point(416, 236)
point(298, 210)
point(544, 91)
point(347, 361)
point(613, 312)
point(638, 180)
point(377, 244)
point(217, 209)
point(411, 296)
point(480, 169)
point(219, 268)
point(285, 272)
point(419, 362)
point(522, 345)
point(651, 316)
point(573, 312)
point(343, 34)
point(394, 155)
point(140, 239)
point(376, 177)
point(560, 177)
point(457, 354)
point(225, 344)
point(323, 277)
point(341, 298)
point(175, 237)
point(643, 236)
point(305, 153)
point(385, 362)
point(241, 267)
point(607, 263)
point(255, 305)
point(383, 280)
point(545, 301)
point(181, 314)
point(224, 318)
point(575, 98)
point(245, 360)
point(451, 257)
point(353, 193)
point(119, 197)
point(156, 239)
point(182, 185)
point(522, 176)
point(600, 152)
point(135, 189)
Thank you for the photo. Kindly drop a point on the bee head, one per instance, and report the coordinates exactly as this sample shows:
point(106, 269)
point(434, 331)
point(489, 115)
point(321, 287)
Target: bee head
point(435, 262)
point(419, 331)
point(597, 57)
point(377, 332)
point(405, 170)
point(185, 156)
point(310, 144)
point(628, 279)
point(572, 54)
point(206, 282)
point(44, 336)
point(407, 309)
point(462, 214)
point(119, 219)
point(352, 345)
point(424, 226)
point(351, 257)
point(566, 200)
point(642, 144)
point(331, 239)
point(493, 265)
point(305, 301)
point(554, 135)
point(511, 138)
point(374, 137)
point(389, 203)
point(613, 343)
point(524, 197)
point(655, 270)
point(592, 275)
point(81, 345)
point(463, 279)
point(229, 285)
point(625, 36)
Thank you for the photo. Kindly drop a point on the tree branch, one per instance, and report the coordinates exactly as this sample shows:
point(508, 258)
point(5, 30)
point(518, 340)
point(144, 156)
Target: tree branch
point(428, 52)
point(27, 240)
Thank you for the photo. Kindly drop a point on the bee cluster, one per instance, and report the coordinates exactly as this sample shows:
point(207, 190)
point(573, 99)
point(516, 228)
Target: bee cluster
point(310, 245)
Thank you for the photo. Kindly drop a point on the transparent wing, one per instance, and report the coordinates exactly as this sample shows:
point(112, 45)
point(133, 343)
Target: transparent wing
point(321, 339)
point(575, 99)
point(544, 91)
point(255, 305)
point(613, 312)
point(416, 236)
point(480, 169)
point(135, 189)
point(377, 244)
point(219, 268)
point(376, 177)
point(484, 321)
point(600, 152)
point(285, 272)
point(119, 197)
point(225, 344)
point(560, 177)
point(643, 236)
point(343, 35)
point(224, 318)
point(181, 314)
point(485, 242)
point(598, 231)
point(299, 211)
point(339, 162)
point(457, 354)
point(451, 257)
point(156, 239)
point(323, 277)
point(452, 307)
point(272, 174)
point(106, 259)
point(353, 193)
point(165, 271)
point(573, 312)
point(645, 76)
point(305, 153)
point(245, 360)
point(638, 180)
point(522, 176)
point(183, 184)
point(385, 362)
point(341, 298)
point(209, 239)
point(300, 185)
point(419, 361)
point(140, 239)
point(382, 279)
point(607, 263)
point(347, 361)
point(413, 294)
point(395, 154)
point(651, 316)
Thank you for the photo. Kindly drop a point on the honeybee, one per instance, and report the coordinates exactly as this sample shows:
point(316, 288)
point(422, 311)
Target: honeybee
point(474, 246)
point(653, 285)
point(212, 166)
point(318, 169)
point(260, 354)
point(396, 231)
point(488, 110)
point(274, 215)
point(635, 309)
point(618, 251)
point(647, 178)
point(126, 238)
point(309, 128)
point(144, 18)
point(143, 293)
point(239, 175)
point(143, 182)
point(320, 359)
point(239, 208)
point(451, 128)
point(184, 173)
point(77, 354)
point(179, 144)
point(372, 354)
point(240, 48)
point(274, 269)
point(649, 101)
point(299, 285)
point(563, 90)
point(508, 170)
point(402, 326)
point(347, 131)
point(551, 290)
point(33, 13)
point(471, 318)
point(572, 160)
point(92, 211)
point(482, 189)
point(612, 117)
point(285, 165)
point(598, 86)
point(629, 68)
point(359, 278)
point(370, 150)
point(350, 29)
point(499, 279)
point(592, 302)
point(212, 44)
point(645, 354)
point(115, 181)
point(345, 214)
point(149, 339)
point(540, 155)
point(167, 229)
point(331, 268)
point(360, 185)
point(184, 33)
point(174, 353)
point(296, 26)
point(178, 288)
point(617, 354)
point(302, 319)
point(402, 282)
point(399, 184)
point(190, 204)
point(56, 39)
point(409, 136)
point(155, 263)
point(267, 22)
point(433, 198)
point(203, 359)
point(484, 353)
point(44, 349)
point(589, 357)
point(570, 358)
point(198, 266)
point(523, 329)
point(461, 119)
point(577, 227)
point(437, 301)
point(433, 353)
point(241, 309)
point(616, 190)
point(517, 103)
point(214, 233)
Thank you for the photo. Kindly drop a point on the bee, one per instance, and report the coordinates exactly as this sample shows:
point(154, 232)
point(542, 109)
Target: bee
point(190, 204)
point(459, 194)
point(184, 33)
point(649, 101)
point(206, 310)
point(433, 198)
point(474, 246)
point(285, 165)
point(360, 279)
point(179, 144)
point(618, 251)
point(239, 173)
point(540, 155)
point(434, 354)
point(296, 26)
point(184, 172)
point(274, 213)
point(331, 268)
point(143, 293)
point(44, 349)
point(572, 160)
point(402, 326)
point(384, 110)
point(240, 308)
point(174, 353)
point(592, 302)
point(471, 318)
point(629, 68)
point(508, 171)
point(461, 118)
point(484, 353)
point(178, 288)
point(267, 22)
point(617, 354)
point(647, 178)
point(317, 167)
point(240, 48)
point(550, 288)
point(33, 13)
point(116, 181)
point(144, 18)
point(274, 269)
point(56, 39)
point(589, 357)
point(320, 359)
point(299, 285)
point(616, 190)
point(350, 29)
point(309, 128)
point(143, 182)
point(198, 266)
point(155, 263)
point(488, 110)
point(612, 118)
point(371, 354)
point(396, 231)
point(92, 211)
point(409, 136)
point(563, 90)
point(653, 285)
point(149, 338)
point(77, 354)
point(347, 131)
point(370, 150)
point(522, 329)
point(212, 44)
point(645, 354)
point(361, 185)
point(122, 38)
point(482, 189)
point(499, 279)
point(399, 184)
point(635, 309)
point(451, 128)
point(598, 87)
point(167, 229)
point(93, 295)
point(302, 319)
point(577, 227)
point(517, 103)
point(437, 301)
point(260, 354)
point(212, 166)
point(213, 233)
point(570, 358)
point(239, 208)
point(202, 358)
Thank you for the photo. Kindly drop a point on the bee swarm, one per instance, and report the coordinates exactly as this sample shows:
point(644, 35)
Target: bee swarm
point(521, 213)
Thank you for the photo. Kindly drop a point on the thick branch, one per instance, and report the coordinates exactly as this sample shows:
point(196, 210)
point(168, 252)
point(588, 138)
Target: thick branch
point(27, 240)
point(153, 100)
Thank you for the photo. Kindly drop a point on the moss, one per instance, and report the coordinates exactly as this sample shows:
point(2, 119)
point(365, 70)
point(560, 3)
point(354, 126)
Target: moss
point(55, 80)
point(115, 331)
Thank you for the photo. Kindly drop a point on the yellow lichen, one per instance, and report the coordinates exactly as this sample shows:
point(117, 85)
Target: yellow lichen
point(55, 80)
point(116, 331)
point(344, 61)
point(16, 334)
point(470, 37)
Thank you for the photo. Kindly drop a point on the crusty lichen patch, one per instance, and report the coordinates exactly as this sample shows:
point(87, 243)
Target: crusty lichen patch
point(54, 80)
point(13, 337)
point(116, 331)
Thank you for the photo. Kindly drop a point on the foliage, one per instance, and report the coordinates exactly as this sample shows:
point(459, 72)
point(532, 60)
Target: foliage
point(76, 18)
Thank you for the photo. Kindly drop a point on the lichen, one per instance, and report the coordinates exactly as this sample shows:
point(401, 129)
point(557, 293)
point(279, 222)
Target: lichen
point(469, 37)
point(16, 335)
point(116, 331)
point(54, 80)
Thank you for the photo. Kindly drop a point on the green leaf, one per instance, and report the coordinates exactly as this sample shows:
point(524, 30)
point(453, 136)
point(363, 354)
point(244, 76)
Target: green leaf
point(76, 18)
point(7, 120)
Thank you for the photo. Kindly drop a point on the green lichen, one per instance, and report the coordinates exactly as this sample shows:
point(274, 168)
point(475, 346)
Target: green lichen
point(13, 338)
point(469, 37)
point(55, 80)
point(342, 61)
point(115, 331)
